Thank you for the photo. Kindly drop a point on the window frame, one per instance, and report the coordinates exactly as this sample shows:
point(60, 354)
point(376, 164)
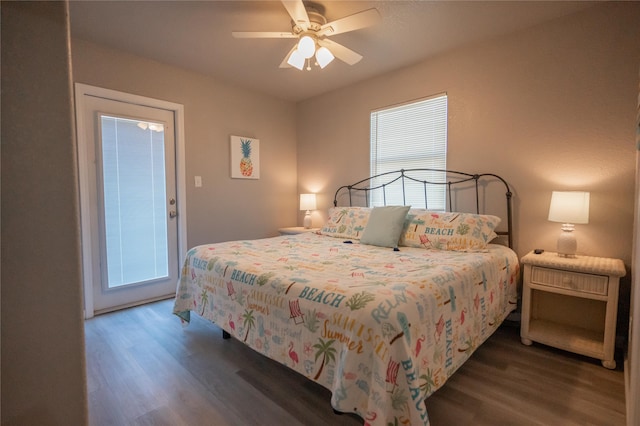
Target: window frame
point(435, 132)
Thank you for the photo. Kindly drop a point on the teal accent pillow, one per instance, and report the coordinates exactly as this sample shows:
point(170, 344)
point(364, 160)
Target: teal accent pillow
point(385, 226)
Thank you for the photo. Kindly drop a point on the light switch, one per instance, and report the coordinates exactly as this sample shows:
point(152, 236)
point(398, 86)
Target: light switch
point(198, 180)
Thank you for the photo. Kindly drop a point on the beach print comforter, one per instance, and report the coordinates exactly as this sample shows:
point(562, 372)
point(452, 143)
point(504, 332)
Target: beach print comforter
point(381, 329)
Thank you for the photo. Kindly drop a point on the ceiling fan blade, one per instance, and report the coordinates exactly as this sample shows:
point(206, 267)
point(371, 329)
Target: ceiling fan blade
point(339, 51)
point(363, 19)
point(298, 13)
point(262, 34)
point(284, 63)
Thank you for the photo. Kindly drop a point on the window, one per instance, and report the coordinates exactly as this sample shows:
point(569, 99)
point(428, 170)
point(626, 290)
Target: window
point(410, 136)
point(134, 200)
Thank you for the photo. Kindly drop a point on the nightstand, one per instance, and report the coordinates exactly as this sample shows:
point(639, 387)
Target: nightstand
point(296, 230)
point(571, 303)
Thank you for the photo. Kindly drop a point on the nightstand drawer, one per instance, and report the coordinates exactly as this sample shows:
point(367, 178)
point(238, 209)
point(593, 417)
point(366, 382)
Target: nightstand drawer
point(585, 283)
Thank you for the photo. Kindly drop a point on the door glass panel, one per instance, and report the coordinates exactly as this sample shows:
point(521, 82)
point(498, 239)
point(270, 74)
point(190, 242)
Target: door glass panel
point(134, 200)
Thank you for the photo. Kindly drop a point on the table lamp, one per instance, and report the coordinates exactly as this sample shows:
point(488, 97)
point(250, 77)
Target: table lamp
point(308, 203)
point(569, 208)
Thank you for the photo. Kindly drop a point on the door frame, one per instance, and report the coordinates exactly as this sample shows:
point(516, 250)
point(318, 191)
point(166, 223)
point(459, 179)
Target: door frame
point(82, 90)
point(632, 356)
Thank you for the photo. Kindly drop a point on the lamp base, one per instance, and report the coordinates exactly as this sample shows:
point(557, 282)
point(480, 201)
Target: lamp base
point(567, 244)
point(307, 220)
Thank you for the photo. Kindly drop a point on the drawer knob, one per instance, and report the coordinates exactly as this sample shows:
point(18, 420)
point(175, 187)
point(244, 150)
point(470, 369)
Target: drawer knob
point(566, 280)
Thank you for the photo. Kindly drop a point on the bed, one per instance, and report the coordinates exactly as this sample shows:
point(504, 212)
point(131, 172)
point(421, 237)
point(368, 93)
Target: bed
point(379, 316)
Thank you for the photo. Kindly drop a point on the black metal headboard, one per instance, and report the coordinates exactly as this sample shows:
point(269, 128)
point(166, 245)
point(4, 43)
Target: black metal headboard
point(453, 180)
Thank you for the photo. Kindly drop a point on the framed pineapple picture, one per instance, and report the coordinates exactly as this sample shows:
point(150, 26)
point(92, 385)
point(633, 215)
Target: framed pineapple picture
point(245, 158)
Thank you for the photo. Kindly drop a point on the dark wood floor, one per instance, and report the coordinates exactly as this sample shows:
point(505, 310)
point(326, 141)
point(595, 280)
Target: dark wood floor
point(144, 368)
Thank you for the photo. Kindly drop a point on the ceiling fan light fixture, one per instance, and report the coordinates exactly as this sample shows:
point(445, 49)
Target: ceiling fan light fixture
point(296, 60)
point(307, 46)
point(324, 57)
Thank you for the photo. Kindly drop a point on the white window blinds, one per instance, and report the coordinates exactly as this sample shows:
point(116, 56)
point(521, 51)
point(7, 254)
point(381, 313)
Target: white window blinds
point(409, 136)
point(134, 200)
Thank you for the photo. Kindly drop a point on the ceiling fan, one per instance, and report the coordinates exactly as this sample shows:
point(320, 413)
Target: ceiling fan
point(312, 30)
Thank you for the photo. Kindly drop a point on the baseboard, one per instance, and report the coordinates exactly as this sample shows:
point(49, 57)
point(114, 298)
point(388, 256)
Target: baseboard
point(131, 305)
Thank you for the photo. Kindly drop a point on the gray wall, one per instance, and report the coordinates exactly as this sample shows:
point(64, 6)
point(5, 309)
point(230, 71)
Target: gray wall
point(223, 208)
point(43, 364)
point(548, 108)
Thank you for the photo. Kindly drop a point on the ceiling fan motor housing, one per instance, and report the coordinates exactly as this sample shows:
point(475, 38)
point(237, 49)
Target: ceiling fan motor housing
point(316, 21)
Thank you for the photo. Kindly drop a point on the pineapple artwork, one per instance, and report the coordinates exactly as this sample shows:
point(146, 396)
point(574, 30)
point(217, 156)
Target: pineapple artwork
point(245, 160)
point(246, 167)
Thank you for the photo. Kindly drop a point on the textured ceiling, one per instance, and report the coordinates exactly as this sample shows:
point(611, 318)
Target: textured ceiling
point(197, 36)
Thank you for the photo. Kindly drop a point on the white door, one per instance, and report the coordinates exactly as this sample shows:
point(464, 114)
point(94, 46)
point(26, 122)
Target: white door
point(133, 209)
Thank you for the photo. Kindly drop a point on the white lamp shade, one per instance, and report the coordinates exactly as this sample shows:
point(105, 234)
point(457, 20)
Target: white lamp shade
point(569, 207)
point(296, 59)
point(324, 57)
point(306, 47)
point(307, 201)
